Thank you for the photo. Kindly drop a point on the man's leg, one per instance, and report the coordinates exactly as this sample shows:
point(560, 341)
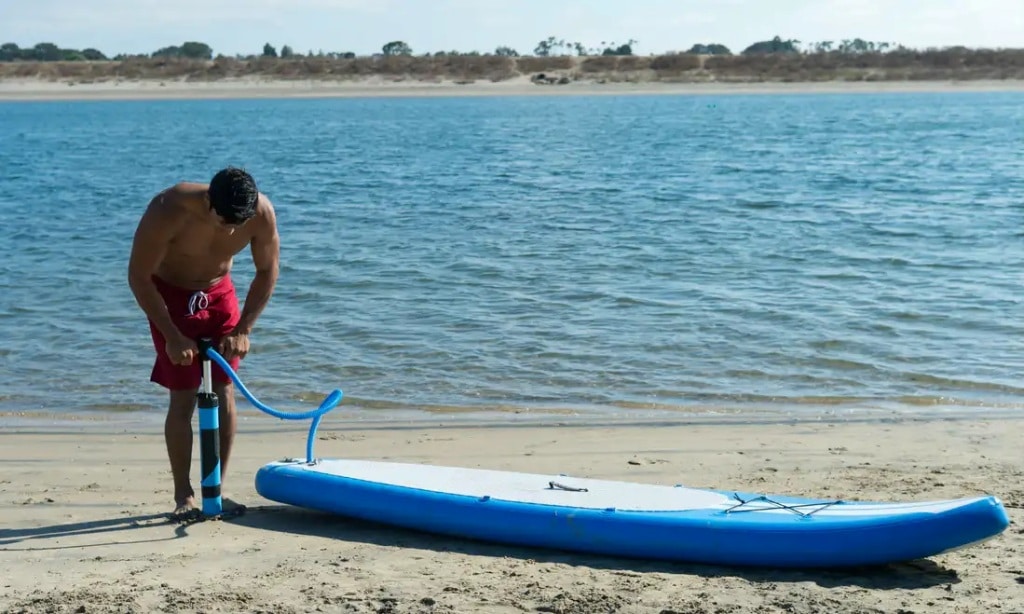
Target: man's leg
point(228, 421)
point(178, 436)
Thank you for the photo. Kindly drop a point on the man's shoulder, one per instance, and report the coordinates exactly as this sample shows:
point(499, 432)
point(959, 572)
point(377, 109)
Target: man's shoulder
point(187, 190)
point(265, 208)
point(174, 202)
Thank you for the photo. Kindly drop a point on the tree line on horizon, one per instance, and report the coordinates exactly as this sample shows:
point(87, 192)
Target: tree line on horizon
point(550, 47)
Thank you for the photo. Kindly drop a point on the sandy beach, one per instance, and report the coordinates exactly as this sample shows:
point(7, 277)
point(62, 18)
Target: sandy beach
point(14, 89)
point(85, 528)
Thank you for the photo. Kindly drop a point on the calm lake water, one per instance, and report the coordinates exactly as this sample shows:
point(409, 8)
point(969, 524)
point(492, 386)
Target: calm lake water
point(625, 256)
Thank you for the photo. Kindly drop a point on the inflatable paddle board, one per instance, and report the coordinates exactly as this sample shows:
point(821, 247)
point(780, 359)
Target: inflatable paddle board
point(606, 517)
point(634, 520)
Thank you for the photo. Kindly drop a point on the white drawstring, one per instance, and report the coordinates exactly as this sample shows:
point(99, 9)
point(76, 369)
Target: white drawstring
point(198, 302)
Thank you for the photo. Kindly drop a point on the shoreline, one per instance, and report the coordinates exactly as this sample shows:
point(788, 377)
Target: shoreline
point(85, 525)
point(151, 421)
point(29, 89)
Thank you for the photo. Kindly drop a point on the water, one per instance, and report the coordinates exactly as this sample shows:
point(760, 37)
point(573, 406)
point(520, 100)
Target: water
point(624, 256)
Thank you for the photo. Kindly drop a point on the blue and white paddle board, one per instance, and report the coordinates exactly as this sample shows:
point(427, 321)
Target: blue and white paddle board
point(634, 520)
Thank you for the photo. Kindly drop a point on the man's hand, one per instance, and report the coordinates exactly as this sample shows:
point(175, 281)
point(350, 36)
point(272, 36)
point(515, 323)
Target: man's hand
point(181, 350)
point(235, 344)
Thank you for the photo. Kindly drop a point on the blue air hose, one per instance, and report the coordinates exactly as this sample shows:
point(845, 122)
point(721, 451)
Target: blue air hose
point(328, 404)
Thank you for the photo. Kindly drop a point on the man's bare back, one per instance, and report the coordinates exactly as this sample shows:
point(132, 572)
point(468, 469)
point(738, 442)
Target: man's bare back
point(180, 273)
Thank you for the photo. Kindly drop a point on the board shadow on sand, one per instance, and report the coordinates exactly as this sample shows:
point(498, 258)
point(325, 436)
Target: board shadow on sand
point(918, 574)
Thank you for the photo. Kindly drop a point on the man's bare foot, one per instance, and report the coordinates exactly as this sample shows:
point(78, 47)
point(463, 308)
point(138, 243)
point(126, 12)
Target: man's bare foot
point(233, 508)
point(185, 506)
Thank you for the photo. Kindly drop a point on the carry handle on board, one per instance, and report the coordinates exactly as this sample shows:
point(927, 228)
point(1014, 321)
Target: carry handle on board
point(209, 424)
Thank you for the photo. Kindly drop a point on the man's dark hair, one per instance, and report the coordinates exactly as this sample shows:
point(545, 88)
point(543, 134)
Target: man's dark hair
point(233, 194)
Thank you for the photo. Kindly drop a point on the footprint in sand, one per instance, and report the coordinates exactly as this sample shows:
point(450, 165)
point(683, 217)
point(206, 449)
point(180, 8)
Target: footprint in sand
point(646, 461)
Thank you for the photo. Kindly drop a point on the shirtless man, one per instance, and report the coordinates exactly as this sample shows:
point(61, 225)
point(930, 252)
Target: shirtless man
point(180, 274)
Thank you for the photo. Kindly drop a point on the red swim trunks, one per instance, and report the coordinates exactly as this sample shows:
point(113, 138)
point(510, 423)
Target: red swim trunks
point(211, 313)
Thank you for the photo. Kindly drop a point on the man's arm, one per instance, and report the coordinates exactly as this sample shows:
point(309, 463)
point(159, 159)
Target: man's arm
point(149, 245)
point(266, 249)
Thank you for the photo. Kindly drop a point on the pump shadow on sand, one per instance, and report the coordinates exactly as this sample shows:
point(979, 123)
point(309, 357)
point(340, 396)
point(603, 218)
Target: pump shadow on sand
point(47, 537)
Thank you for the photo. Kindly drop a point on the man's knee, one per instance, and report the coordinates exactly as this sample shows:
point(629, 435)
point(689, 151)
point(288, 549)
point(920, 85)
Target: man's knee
point(182, 404)
point(225, 393)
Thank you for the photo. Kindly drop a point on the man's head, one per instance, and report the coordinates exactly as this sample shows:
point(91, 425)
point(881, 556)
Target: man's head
point(233, 195)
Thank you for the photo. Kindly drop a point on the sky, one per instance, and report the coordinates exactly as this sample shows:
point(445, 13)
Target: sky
point(363, 26)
